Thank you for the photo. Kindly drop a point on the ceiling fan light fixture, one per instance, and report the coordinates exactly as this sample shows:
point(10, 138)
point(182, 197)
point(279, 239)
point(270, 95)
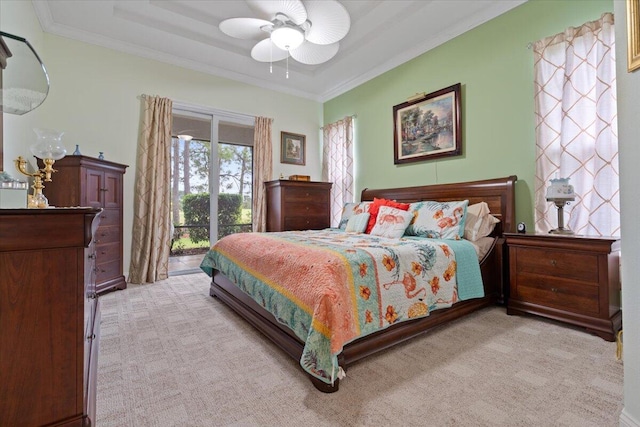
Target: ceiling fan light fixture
point(287, 37)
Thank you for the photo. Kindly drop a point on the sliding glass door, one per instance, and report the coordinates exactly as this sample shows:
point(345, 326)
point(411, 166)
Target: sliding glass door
point(211, 183)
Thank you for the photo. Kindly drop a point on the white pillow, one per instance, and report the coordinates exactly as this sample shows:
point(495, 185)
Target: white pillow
point(357, 223)
point(350, 209)
point(391, 222)
point(479, 223)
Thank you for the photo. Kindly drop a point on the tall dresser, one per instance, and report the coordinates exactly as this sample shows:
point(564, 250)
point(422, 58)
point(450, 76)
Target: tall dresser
point(298, 205)
point(87, 181)
point(49, 317)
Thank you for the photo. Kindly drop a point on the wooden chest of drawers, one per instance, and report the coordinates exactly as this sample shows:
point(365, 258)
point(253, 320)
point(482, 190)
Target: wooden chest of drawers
point(574, 279)
point(49, 317)
point(87, 181)
point(298, 205)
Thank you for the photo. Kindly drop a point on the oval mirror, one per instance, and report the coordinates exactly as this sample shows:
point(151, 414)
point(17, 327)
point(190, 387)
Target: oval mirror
point(24, 82)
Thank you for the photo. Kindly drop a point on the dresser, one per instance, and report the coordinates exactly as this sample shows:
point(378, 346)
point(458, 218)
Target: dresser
point(49, 317)
point(298, 205)
point(573, 279)
point(87, 181)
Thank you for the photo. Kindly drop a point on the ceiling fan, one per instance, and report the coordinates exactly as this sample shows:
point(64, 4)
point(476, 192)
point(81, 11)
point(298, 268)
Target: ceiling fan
point(308, 31)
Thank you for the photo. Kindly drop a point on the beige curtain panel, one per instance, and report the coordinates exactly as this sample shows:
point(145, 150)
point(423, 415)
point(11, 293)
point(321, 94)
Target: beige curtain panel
point(152, 199)
point(262, 171)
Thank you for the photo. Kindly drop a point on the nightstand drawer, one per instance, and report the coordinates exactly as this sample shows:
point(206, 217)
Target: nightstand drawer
point(559, 264)
point(555, 292)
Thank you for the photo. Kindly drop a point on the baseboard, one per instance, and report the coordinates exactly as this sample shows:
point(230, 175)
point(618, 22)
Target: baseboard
point(627, 420)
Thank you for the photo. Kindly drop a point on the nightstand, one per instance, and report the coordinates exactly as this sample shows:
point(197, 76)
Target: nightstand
point(570, 278)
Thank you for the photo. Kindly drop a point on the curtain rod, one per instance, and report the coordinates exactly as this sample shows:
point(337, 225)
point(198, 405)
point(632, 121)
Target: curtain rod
point(355, 116)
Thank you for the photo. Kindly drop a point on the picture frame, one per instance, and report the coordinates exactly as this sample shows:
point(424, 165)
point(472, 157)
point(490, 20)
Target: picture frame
point(427, 127)
point(293, 148)
point(633, 35)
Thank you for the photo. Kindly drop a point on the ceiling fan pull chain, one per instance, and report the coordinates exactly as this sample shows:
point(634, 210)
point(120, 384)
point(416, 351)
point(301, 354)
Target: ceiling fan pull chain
point(287, 64)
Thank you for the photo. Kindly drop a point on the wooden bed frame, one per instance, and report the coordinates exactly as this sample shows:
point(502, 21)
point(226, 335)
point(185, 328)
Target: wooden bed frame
point(500, 196)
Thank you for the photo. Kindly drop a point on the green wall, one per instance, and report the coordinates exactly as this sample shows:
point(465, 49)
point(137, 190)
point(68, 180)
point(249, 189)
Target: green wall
point(495, 67)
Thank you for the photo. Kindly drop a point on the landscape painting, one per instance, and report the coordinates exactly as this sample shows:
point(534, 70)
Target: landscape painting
point(428, 127)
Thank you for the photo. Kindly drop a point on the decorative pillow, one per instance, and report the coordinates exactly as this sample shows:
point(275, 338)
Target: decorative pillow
point(438, 220)
point(391, 222)
point(357, 223)
point(351, 209)
point(479, 222)
point(375, 207)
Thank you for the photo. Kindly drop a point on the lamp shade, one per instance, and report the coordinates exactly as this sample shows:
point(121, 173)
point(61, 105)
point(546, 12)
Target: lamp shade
point(287, 37)
point(48, 145)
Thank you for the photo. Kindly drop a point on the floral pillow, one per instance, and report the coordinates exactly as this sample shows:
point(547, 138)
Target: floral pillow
point(375, 206)
point(357, 223)
point(351, 209)
point(438, 220)
point(479, 221)
point(391, 222)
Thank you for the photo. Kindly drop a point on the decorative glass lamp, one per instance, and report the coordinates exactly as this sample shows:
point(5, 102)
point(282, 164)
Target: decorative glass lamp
point(49, 148)
point(560, 192)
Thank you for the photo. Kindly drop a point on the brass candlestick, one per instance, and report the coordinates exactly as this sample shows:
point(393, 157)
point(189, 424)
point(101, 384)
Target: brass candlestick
point(37, 199)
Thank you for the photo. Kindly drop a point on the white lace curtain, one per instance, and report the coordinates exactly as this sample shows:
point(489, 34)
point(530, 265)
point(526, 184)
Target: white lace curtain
point(576, 127)
point(337, 164)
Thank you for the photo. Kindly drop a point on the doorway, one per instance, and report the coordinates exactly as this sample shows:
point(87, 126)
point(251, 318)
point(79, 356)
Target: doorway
point(211, 183)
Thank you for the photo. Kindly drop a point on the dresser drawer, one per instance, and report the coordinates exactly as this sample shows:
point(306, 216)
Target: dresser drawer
point(306, 208)
point(308, 194)
point(558, 293)
point(107, 252)
point(108, 270)
point(559, 264)
point(305, 223)
point(110, 217)
point(108, 234)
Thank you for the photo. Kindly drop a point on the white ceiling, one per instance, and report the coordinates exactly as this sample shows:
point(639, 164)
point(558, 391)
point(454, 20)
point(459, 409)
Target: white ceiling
point(383, 35)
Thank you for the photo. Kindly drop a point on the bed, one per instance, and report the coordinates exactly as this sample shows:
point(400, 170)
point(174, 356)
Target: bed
point(497, 193)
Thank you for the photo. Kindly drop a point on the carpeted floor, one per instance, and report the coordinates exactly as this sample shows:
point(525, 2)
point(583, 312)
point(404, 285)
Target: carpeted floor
point(170, 355)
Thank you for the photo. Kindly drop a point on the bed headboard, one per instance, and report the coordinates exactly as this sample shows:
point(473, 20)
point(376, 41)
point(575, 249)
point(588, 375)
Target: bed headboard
point(499, 193)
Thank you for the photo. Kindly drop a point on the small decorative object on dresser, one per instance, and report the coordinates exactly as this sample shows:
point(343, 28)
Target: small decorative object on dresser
point(298, 205)
point(560, 192)
point(87, 181)
point(574, 279)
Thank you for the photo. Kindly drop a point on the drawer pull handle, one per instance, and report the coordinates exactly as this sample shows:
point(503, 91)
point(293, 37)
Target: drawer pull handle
point(554, 289)
point(554, 262)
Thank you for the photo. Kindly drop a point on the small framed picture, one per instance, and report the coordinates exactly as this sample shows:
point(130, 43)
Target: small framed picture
point(292, 148)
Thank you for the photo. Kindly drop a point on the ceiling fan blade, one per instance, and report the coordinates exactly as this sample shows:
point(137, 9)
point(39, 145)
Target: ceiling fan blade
point(330, 21)
point(312, 54)
point(294, 9)
point(244, 28)
point(266, 51)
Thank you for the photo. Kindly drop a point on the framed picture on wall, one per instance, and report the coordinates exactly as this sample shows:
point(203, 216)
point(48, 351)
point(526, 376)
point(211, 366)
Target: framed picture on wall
point(428, 127)
point(633, 35)
point(292, 148)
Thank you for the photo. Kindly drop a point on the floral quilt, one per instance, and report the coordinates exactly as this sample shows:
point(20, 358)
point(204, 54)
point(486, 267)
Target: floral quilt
point(332, 287)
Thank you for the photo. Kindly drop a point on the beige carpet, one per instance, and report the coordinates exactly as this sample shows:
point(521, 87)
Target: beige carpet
point(170, 355)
